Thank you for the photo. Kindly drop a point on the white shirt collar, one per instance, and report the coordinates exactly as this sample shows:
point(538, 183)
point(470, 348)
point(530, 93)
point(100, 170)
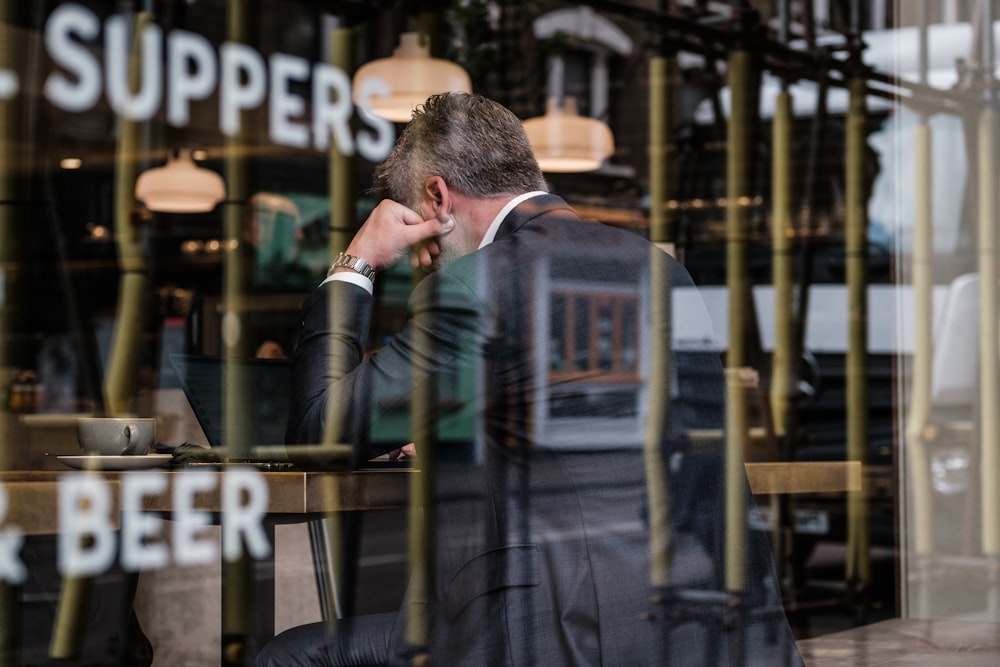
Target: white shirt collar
point(491, 231)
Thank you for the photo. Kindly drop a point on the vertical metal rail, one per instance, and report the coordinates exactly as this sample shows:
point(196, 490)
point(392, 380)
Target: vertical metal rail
point(737, 276)
point(238, 601)
point(660, 72)
point(122, 372)
point(858, 566)
point(916, 462)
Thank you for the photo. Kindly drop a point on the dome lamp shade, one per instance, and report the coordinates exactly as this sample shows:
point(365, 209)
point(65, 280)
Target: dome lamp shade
point(410, 76)
point(180, 186)
point(565, 142)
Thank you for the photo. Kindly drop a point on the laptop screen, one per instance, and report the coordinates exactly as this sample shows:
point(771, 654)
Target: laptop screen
point(264, 388)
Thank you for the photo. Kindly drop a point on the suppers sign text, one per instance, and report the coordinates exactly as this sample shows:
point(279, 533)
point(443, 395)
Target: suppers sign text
point(194, 70)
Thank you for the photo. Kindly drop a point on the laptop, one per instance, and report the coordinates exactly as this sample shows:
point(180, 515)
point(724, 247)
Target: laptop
point(266, 384)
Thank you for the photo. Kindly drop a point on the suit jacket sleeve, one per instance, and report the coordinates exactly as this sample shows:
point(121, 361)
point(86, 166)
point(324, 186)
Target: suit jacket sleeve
point(332, 379)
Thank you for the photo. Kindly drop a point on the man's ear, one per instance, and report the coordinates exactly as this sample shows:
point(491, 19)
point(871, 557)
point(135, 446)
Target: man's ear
point(437, 195)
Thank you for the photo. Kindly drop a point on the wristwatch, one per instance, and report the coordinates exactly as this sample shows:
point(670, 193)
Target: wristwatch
point(353, 263)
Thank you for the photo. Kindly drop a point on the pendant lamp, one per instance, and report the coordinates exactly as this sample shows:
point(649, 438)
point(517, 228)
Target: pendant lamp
point(411, 75)
point(180, 186)
point(565, 142)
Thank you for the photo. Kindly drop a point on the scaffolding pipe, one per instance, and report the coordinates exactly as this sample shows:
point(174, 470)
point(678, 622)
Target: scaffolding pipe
point(858, 566)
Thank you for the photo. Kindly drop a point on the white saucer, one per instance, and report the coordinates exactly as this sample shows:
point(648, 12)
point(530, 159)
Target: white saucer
point(100, 462)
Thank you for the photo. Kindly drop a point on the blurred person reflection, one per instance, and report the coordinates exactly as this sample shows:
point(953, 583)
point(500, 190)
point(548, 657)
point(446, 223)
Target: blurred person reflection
point(541, 526)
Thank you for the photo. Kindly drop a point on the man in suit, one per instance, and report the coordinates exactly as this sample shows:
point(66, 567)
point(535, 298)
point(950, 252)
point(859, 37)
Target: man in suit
point(541, 523)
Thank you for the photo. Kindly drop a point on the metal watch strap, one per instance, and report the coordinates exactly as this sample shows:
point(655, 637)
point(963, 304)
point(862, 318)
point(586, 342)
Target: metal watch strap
point(355, 264)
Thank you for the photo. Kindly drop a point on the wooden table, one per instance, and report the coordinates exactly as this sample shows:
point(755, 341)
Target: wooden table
point(33, 509)
point(33, 498)
point(33, 495)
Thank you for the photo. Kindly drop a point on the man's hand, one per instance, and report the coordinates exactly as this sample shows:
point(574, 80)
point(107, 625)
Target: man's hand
point(408, 451)
point(393, 229)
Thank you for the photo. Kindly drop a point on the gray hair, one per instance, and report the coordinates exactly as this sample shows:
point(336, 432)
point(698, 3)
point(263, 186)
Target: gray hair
point(476, 145)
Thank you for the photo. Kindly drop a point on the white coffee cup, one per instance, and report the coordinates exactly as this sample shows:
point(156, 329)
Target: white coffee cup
point(116, 436)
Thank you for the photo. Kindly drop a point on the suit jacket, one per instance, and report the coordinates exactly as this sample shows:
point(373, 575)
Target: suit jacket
point(541, 526)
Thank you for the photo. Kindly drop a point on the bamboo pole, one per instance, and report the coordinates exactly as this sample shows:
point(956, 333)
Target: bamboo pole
point(342, 227)
point(858, 566)
point(342, 180)
point(782, 235)
point(422, 508)
point(123, 364)
point(11, 219)
point(916, 460)
point(342, 216)
point(421, 511)
point(989, 364)
point(237, 576)
point(920, 397)
point(660, 71)
point(989, 368)
point(782, 278)
point(737, 276)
